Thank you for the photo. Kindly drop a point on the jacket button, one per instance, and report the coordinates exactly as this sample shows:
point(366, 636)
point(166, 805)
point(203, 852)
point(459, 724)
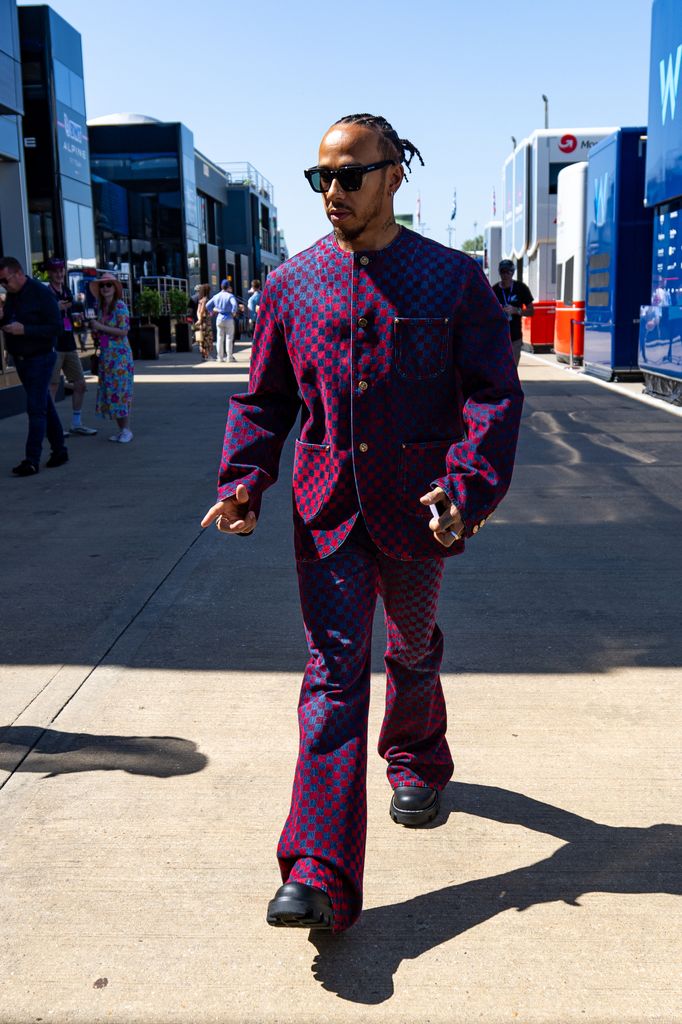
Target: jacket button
point(482, 522)
point(362, 322)
point(474, 529)
point(363, 446)
point(363, 385)
point(364, 260)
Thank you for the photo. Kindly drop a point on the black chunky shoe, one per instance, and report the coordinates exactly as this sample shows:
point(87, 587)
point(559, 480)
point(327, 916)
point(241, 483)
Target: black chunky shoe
point(25, 468)
point(57, 459)
point(300, 906)
point(414, 805)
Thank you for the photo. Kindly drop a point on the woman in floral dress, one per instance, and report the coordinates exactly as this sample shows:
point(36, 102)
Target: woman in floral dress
point(204, 324)
point(115, 391)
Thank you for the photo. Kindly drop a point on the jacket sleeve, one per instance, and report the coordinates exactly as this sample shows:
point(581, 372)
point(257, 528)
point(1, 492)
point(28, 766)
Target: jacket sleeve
point(259, 421)
point(47, 313)
point(479, 467)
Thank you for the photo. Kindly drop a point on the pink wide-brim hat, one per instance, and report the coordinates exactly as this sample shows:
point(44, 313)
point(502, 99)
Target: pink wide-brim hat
point(94, 285)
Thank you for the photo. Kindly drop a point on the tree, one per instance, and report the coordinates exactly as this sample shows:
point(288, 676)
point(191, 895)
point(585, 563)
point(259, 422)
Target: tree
point(473, 244)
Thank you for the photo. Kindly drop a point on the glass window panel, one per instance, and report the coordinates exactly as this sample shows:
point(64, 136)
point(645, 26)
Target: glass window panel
point(87, 236)
point(72, 232)
point(77, 93)
point(62, 83)
point(9, 137)
point(7, 17)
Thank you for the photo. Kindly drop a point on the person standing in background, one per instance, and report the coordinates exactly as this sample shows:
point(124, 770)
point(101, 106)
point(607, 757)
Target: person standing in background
point(516, 300)
point(254, 302)
point(224, 306)
point(68, 361)
point(203, 327)
point(115, 391)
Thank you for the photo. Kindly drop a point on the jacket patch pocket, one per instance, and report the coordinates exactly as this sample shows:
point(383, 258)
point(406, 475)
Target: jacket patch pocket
point(311, 478)
point(421, 462)
point(421, 346)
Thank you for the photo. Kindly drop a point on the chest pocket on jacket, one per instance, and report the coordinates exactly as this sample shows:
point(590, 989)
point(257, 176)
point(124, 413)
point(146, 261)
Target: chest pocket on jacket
point(421, 346)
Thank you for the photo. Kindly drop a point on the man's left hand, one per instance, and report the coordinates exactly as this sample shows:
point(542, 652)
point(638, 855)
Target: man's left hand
point(446, 524)
point(14, 328)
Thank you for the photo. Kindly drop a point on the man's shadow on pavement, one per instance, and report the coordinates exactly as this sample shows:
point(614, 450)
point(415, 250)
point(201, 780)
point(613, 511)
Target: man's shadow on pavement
point(30, 748)
point(359, 964)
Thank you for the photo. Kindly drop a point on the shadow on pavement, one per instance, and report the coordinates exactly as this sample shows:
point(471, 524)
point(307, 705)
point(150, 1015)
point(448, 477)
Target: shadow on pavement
point(359, 965)
point(61, 753)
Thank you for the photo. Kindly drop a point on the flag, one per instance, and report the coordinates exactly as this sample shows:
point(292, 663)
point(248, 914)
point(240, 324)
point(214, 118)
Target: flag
point(494, 204)
point(454, 205)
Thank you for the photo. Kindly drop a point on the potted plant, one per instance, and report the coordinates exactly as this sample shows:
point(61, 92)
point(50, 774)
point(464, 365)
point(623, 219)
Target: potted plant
point(144, 338)
point(178, 302)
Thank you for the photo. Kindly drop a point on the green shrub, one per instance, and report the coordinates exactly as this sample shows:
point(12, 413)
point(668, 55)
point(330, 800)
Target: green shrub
point(177, 302)
point(148, 303)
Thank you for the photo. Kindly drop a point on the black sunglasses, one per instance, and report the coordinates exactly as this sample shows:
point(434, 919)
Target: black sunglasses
point(349, 178)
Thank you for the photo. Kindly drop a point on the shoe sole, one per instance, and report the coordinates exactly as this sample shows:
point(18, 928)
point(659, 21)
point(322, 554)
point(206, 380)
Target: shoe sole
point(415, 819)
point(298, 914)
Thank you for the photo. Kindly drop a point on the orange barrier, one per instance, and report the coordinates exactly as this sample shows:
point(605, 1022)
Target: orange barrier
point(538, 330)
point(562, 331)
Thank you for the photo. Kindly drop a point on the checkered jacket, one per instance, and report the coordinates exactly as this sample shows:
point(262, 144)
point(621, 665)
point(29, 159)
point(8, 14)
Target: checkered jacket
point(400, 365)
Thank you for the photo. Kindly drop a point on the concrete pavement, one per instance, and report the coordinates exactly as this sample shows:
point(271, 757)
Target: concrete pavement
point(148, 694)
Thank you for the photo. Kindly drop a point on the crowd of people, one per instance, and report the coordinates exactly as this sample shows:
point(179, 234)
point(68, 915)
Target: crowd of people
point(39, 325)
point(225, 309)
point(45, 328)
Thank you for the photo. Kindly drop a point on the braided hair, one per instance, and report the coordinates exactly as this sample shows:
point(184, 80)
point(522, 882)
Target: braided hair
point(391, 145)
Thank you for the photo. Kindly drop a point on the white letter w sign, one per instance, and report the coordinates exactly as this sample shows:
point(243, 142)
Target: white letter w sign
point(670, 78)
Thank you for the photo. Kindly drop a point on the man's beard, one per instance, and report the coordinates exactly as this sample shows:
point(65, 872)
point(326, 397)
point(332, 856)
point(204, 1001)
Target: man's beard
point(349, 234)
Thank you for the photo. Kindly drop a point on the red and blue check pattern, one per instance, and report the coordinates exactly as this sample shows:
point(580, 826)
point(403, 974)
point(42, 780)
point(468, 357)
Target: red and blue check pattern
point(391, 401)
point(323, 841)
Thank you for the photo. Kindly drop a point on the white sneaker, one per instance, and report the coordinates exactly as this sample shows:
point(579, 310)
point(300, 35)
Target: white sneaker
point(231, 359)
point(116, 437)
point(125, 437)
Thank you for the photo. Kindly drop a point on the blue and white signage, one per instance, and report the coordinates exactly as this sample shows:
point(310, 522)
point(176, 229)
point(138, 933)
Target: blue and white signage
point(72, 143)
point(664, 148)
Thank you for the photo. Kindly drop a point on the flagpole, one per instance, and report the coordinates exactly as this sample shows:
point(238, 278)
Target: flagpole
point(451, 226)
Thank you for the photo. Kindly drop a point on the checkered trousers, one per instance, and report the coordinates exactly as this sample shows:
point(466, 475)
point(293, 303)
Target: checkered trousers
point(323, 841)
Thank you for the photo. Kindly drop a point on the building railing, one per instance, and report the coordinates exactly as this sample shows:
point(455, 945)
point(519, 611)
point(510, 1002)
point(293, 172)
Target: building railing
point(164, 285)
point(246, 174)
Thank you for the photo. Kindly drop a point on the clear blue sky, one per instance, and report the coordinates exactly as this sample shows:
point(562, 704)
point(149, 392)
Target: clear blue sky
point(457, 77)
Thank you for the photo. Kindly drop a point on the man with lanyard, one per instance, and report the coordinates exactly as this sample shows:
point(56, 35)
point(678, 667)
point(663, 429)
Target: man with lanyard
point(68, 359)
point(403, 406)
point(224, 305)
point(516, 300)
point(31, 321)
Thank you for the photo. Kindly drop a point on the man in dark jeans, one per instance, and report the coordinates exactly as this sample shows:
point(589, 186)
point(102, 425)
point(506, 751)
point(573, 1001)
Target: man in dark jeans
point(31, 322)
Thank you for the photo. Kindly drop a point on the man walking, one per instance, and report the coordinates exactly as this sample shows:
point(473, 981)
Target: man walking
point(516, 300)
point(402, 407)
point(224, 305)
point(32, 322)
point(68, 360)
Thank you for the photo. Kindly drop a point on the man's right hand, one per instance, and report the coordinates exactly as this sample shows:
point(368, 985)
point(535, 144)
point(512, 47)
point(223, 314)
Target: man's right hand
point(232, 515)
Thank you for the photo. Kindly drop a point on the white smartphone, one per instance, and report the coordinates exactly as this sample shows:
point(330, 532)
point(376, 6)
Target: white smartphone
point(437, 510)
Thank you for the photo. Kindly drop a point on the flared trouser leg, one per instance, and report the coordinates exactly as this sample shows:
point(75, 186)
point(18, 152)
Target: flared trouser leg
point(412, 737)
point(323, 841)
